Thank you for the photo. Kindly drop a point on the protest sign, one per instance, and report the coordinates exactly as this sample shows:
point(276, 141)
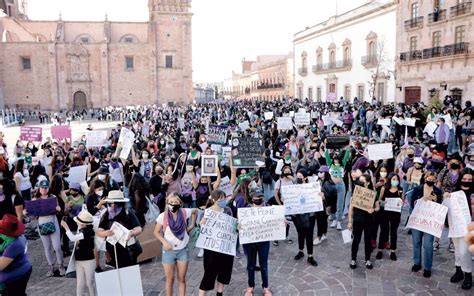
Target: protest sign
point(458, 214)
point(261, 224)
point(448, 121)
point(301, 110)
point(346, 236)
point(209, 164)
point(246, 151)
point(181, 123)
point(410, 121)
point(302, 198)
point(363, 198)
point(380, 151)
point(399, 121)
point(268, 115)
point(71, 267)
point(292, 114)
point(284, 123)
point(119, 282)
point(302, 118)
point(327, 120)
point(428, 217)
point(225, 186)
point(393, 205)
point(314, 115)
point(61, 132)
point(31, 133)
point(77, 174)
point(125, 142)
point(243, 126)
point(217, 134)
point(96, 138)
point(41, 207)
point(120, 235)
point(384, 122)
point(216, 148)
point(430, 128)
point(337, 122)
point(219, 233)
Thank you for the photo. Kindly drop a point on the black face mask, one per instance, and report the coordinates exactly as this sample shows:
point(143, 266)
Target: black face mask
point(174, 208)
point(455, 166)
point(466, 184)
point(286, 174)
point(411, 156)
point(257, 202)
point(299, 181)
point(430, 183)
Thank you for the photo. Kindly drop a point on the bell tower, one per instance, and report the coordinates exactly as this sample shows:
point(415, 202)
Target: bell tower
point(171, 30)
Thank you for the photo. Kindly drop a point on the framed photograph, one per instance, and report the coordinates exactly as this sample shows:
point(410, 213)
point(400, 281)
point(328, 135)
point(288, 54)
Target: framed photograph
point(209, 164)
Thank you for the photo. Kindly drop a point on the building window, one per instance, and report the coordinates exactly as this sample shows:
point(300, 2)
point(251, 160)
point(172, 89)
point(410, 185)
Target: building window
point(26, 63)
point(129, 63)
point(360, 92)
point(332, 88)
point(128, 40)
point(347, 54)
point(347, 92)
point(319, 94)
point(84, 40)
point(381, 91)
point(169, 61)
point(332, 57)
point(437, 39)
point(415, 9)
point(310, 93)
point(413, 43)
point(372, 52)
point(319, 60)
point(460, 34)
point(303, 60)
point(300, 92)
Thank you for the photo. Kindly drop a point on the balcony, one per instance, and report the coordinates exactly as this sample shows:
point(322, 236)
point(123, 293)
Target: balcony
point(369, 61)
point(437, 16)
point(460, 9)
point(270, 86)
point(303, 71)
point(416, 22)
point(435, 52)
point(333, 66)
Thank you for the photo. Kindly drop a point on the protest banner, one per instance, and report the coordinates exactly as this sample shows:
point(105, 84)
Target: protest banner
point(225, 186)
point(120, 235)
point(243, 126)
point(61, 132)
point(125, 142)
point(261, 224)
point(458, 214)
point(302, 118)
point(284, 123)
point(380, 151)
point(428, 217)
point(96, 138)
point(217, 134)
point(219, 233)
point(246, 151)
point(363, 198)
point(216, 148)
point(302, 198)
point(209, 164)
point(384, 121)
point(77, 174)
point(399, 121)
point(268, 115)
point(31, 133)
point(301, 110)
point(393, 205)
point(119, 282)
point(41, 207)
point(430, 128)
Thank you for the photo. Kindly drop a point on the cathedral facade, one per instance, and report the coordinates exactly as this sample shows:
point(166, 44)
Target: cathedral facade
point(73, 65)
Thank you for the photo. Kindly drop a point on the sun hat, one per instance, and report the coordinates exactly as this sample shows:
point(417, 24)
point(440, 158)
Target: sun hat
point(84, 217)
point(11, 226)
point(116, 196)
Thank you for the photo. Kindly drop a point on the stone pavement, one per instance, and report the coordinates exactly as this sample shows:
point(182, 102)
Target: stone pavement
point(287, 277)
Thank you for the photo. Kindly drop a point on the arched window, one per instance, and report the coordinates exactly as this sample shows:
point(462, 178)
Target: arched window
point(332, 57)
point(372, 48)
point(129, 38)
point(85, 39)
point(304, 61)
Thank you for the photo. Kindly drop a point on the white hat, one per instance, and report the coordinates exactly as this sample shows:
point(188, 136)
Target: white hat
point(84, 217)
point(418, 160)
point(116, 196)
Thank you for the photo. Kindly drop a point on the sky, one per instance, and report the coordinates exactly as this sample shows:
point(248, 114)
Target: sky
point(224, 31)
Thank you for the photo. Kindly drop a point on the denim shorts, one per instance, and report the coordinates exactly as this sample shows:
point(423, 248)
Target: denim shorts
point(171, 257)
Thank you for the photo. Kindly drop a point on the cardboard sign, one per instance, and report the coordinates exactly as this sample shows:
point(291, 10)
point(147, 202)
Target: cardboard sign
point(61, 132)
point(430, 128)
point(302, 198)
point(96, 138)
point(217, 134)
point(261, 224)
point(428, 217)
point(393, 205)
point(302, 119)
point(30, 133)
point(268, 115)
point(150, 244)
point(458, 214)
point(119, 282)
point(225, 186)
point(363, 198)
point(77, 174)
point(219, 233)
point(209, 164)
point(246, 151)
point(384, 122)
point(314, 115)
point(380, 151)
point(126, 142)
point(41, 207)
point(284, 123)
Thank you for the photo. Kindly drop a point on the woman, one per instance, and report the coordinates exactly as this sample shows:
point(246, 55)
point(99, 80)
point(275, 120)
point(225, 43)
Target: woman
point(10, 201)
point(117, 212)
point(217, 266)
point(189, 182)
point(139, 190)
point(304, 224)
point(15, 268)
point(143, 164)
point(84, 251)
point(93, 166)
point(204, 188)
point(381, 177)
point(95, 202)
point(414, 176)
point(328, 188)
point(57, 164)
point(116, 171)
point(22, 179)
point(360, 222)
point(172, 231)
point(158, 187)
point(427, 192)
point(285, 180)
point(390, 220)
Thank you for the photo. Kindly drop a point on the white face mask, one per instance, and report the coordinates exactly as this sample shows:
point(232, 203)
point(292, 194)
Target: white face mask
point(383, 174)
point(99, 192)
point(101, 177)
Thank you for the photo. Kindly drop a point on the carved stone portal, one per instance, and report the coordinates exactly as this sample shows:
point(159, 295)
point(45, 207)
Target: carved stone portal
point(78, 63)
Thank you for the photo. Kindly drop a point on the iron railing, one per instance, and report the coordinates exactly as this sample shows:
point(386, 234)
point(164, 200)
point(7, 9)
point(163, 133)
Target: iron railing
point(460, 9)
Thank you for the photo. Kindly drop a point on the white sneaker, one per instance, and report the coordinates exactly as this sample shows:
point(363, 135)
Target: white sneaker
point(316, 242)
point(323, 238)
point(339, 226)
point(333, 224)
point(201, 253)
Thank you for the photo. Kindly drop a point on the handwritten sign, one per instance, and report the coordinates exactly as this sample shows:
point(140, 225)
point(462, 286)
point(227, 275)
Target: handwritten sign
point(430, 128)
point(393, 205)
point(384, 121)
point(428, 217)
point(458, 214)
point(126, 141)
point(268, 115)
point(61, 132)
point(225, 186)
point(41, 207)
point(302, 198)
point(302, 118)
point(284, 123)
point(243, 126)
point(219, 233)
point(30, 133)
point(77, 174)
point(96, 138)
point(217, 134)
point(363, 198)
point(380, 151)
point(261, 224)
point(246, 151)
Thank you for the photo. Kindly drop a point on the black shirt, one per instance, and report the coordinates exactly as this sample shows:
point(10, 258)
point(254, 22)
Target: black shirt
point(85, 247)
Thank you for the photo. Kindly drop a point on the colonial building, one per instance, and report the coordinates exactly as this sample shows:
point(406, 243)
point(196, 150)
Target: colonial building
point(434, 58)
point(349, 55)
point(51, 65)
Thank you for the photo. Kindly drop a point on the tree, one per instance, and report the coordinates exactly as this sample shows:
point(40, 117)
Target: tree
point(380, 67)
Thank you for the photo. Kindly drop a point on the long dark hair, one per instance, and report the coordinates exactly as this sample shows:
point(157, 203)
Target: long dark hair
point(388, 184)
point(215, 196)
point(19, 167)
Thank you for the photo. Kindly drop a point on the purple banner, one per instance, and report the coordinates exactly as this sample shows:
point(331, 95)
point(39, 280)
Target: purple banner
point(41, 207)
point(30, 133)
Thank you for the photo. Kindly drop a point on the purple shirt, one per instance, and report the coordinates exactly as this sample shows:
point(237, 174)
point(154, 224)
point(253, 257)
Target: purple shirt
point(20, 264)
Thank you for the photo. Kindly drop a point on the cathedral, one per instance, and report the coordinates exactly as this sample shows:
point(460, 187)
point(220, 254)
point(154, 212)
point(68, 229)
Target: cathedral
point(74, 65)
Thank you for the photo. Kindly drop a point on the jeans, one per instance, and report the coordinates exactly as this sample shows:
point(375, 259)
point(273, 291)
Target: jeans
point(268, 191)
point(341, 190)
point(425, 239)
point(262, 249)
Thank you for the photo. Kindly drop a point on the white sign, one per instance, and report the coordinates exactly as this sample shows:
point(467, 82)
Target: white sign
point(181, 123)
point(261, 224)
point(346, 236)
point(302, 118)
point(209, 165)
point(219, 233)
point(225, 186)
point(314, 115)
point(380, 151)
point(338, 122)
point(302, 198)
point(458, 214)
point(285, 123)
point(399, 121)
point(121, 282)
point(384, 122)
point(244, 125)
point(430, 128)
point(96, 138)
point(393, 205)
point(120, 235)
point(268, 115)
point(292, 113)
point(77, 174)
point(126, 142)
point(327, 119)
point(428, 217)
point(448, 121)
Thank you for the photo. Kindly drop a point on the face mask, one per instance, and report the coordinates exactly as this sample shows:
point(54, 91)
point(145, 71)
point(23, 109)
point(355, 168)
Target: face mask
point(174, 208)
point(257, 202)
point(162, 142)
point(430, 183)
point(411, 156)
point(286, 174)
point(74, 193)
point(101, 177)
point(466, 184)
point(299, 181)
point(99, 192)
point(394, 183)
point(455, 166)
point(30, 146)
point(383, 174)
point(145, 155)
point(222, 203)
point(288, 158)
point(97, 159)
